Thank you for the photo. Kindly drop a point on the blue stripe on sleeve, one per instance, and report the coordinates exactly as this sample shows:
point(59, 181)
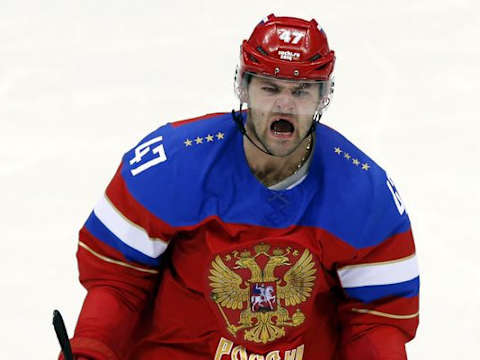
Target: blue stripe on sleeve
point(371, 293)
point(101, 232)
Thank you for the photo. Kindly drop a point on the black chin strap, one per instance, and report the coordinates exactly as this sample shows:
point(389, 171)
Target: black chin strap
point(237, 118)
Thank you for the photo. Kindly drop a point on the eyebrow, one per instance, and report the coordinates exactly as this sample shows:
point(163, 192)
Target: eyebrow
point(303, 85)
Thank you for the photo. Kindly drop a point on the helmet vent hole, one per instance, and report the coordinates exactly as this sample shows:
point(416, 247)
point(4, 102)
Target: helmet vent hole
point(261, 51)
point(252, 58)
point(315, 57)
point(322, 67)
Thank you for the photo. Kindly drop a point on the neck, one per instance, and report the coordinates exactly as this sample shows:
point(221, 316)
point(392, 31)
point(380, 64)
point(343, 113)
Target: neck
point(269, 169)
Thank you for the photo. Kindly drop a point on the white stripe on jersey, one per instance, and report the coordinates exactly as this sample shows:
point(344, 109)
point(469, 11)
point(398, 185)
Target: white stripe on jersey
point(127, 231)
point(383, 273)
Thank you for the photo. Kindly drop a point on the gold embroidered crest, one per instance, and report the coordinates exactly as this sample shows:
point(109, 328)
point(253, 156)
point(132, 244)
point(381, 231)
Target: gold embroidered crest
point(264, 297)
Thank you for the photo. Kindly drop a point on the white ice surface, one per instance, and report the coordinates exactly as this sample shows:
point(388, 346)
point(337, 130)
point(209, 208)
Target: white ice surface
point(82, 81)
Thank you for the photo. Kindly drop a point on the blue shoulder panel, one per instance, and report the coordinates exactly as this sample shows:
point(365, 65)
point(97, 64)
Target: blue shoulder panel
point(189, 184)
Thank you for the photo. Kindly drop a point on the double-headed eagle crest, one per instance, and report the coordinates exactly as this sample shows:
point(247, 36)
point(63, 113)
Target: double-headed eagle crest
point(264, 298)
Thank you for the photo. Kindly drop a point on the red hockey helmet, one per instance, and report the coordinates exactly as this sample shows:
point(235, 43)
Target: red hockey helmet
point(287, 48)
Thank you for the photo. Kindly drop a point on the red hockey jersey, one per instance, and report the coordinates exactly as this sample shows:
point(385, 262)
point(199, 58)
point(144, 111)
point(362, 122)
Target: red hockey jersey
point(188, 256)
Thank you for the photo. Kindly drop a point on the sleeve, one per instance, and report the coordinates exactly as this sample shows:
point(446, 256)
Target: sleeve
point(119, 252)
point(379, 312)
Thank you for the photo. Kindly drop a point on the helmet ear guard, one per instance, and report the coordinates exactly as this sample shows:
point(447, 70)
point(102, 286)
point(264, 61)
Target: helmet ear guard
point(325, 100)
point(322, 107)
point(240, 85)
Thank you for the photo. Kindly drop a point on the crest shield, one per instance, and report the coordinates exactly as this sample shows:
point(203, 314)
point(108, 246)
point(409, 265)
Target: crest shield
point(263, 297)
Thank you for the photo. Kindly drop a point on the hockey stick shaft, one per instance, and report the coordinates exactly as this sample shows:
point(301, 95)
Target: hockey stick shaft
point(62, 335)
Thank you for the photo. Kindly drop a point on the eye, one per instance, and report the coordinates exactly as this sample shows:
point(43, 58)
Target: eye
point(270, 89)
point(300, 93)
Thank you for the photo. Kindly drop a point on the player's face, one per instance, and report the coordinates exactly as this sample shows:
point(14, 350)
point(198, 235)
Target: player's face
point(280, 112)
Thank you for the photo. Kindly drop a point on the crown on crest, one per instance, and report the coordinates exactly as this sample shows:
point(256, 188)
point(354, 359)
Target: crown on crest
point(245, 254)
point(278, 252)
point(262, 248)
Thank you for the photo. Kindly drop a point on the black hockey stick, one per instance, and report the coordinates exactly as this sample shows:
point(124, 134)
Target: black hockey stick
point(62, 335)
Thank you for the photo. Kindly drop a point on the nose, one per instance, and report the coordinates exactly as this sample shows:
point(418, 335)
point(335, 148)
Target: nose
point(284, 103)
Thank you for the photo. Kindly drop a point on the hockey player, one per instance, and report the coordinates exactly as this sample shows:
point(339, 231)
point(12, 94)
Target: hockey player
point(267, 237)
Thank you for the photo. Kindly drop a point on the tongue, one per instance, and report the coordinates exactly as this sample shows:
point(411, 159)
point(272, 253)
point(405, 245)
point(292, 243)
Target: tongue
point(282, 126)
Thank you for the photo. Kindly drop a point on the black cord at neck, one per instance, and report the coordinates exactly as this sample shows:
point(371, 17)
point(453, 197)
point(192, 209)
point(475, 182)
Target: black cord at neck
point(237, 118)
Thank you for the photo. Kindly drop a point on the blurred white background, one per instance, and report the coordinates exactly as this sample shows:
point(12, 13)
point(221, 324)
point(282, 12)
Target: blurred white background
point(83, 81)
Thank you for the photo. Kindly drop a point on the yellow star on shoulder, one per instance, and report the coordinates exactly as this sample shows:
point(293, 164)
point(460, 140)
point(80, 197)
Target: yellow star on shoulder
point(188, 142)
point(220, 135)
point(355, 162)
point(209, 138)
point(338, 150)
point(347, 156)
point(199, 140)
point(365, 166)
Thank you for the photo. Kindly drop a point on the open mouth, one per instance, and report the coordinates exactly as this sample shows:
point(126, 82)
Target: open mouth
point(282, 128)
